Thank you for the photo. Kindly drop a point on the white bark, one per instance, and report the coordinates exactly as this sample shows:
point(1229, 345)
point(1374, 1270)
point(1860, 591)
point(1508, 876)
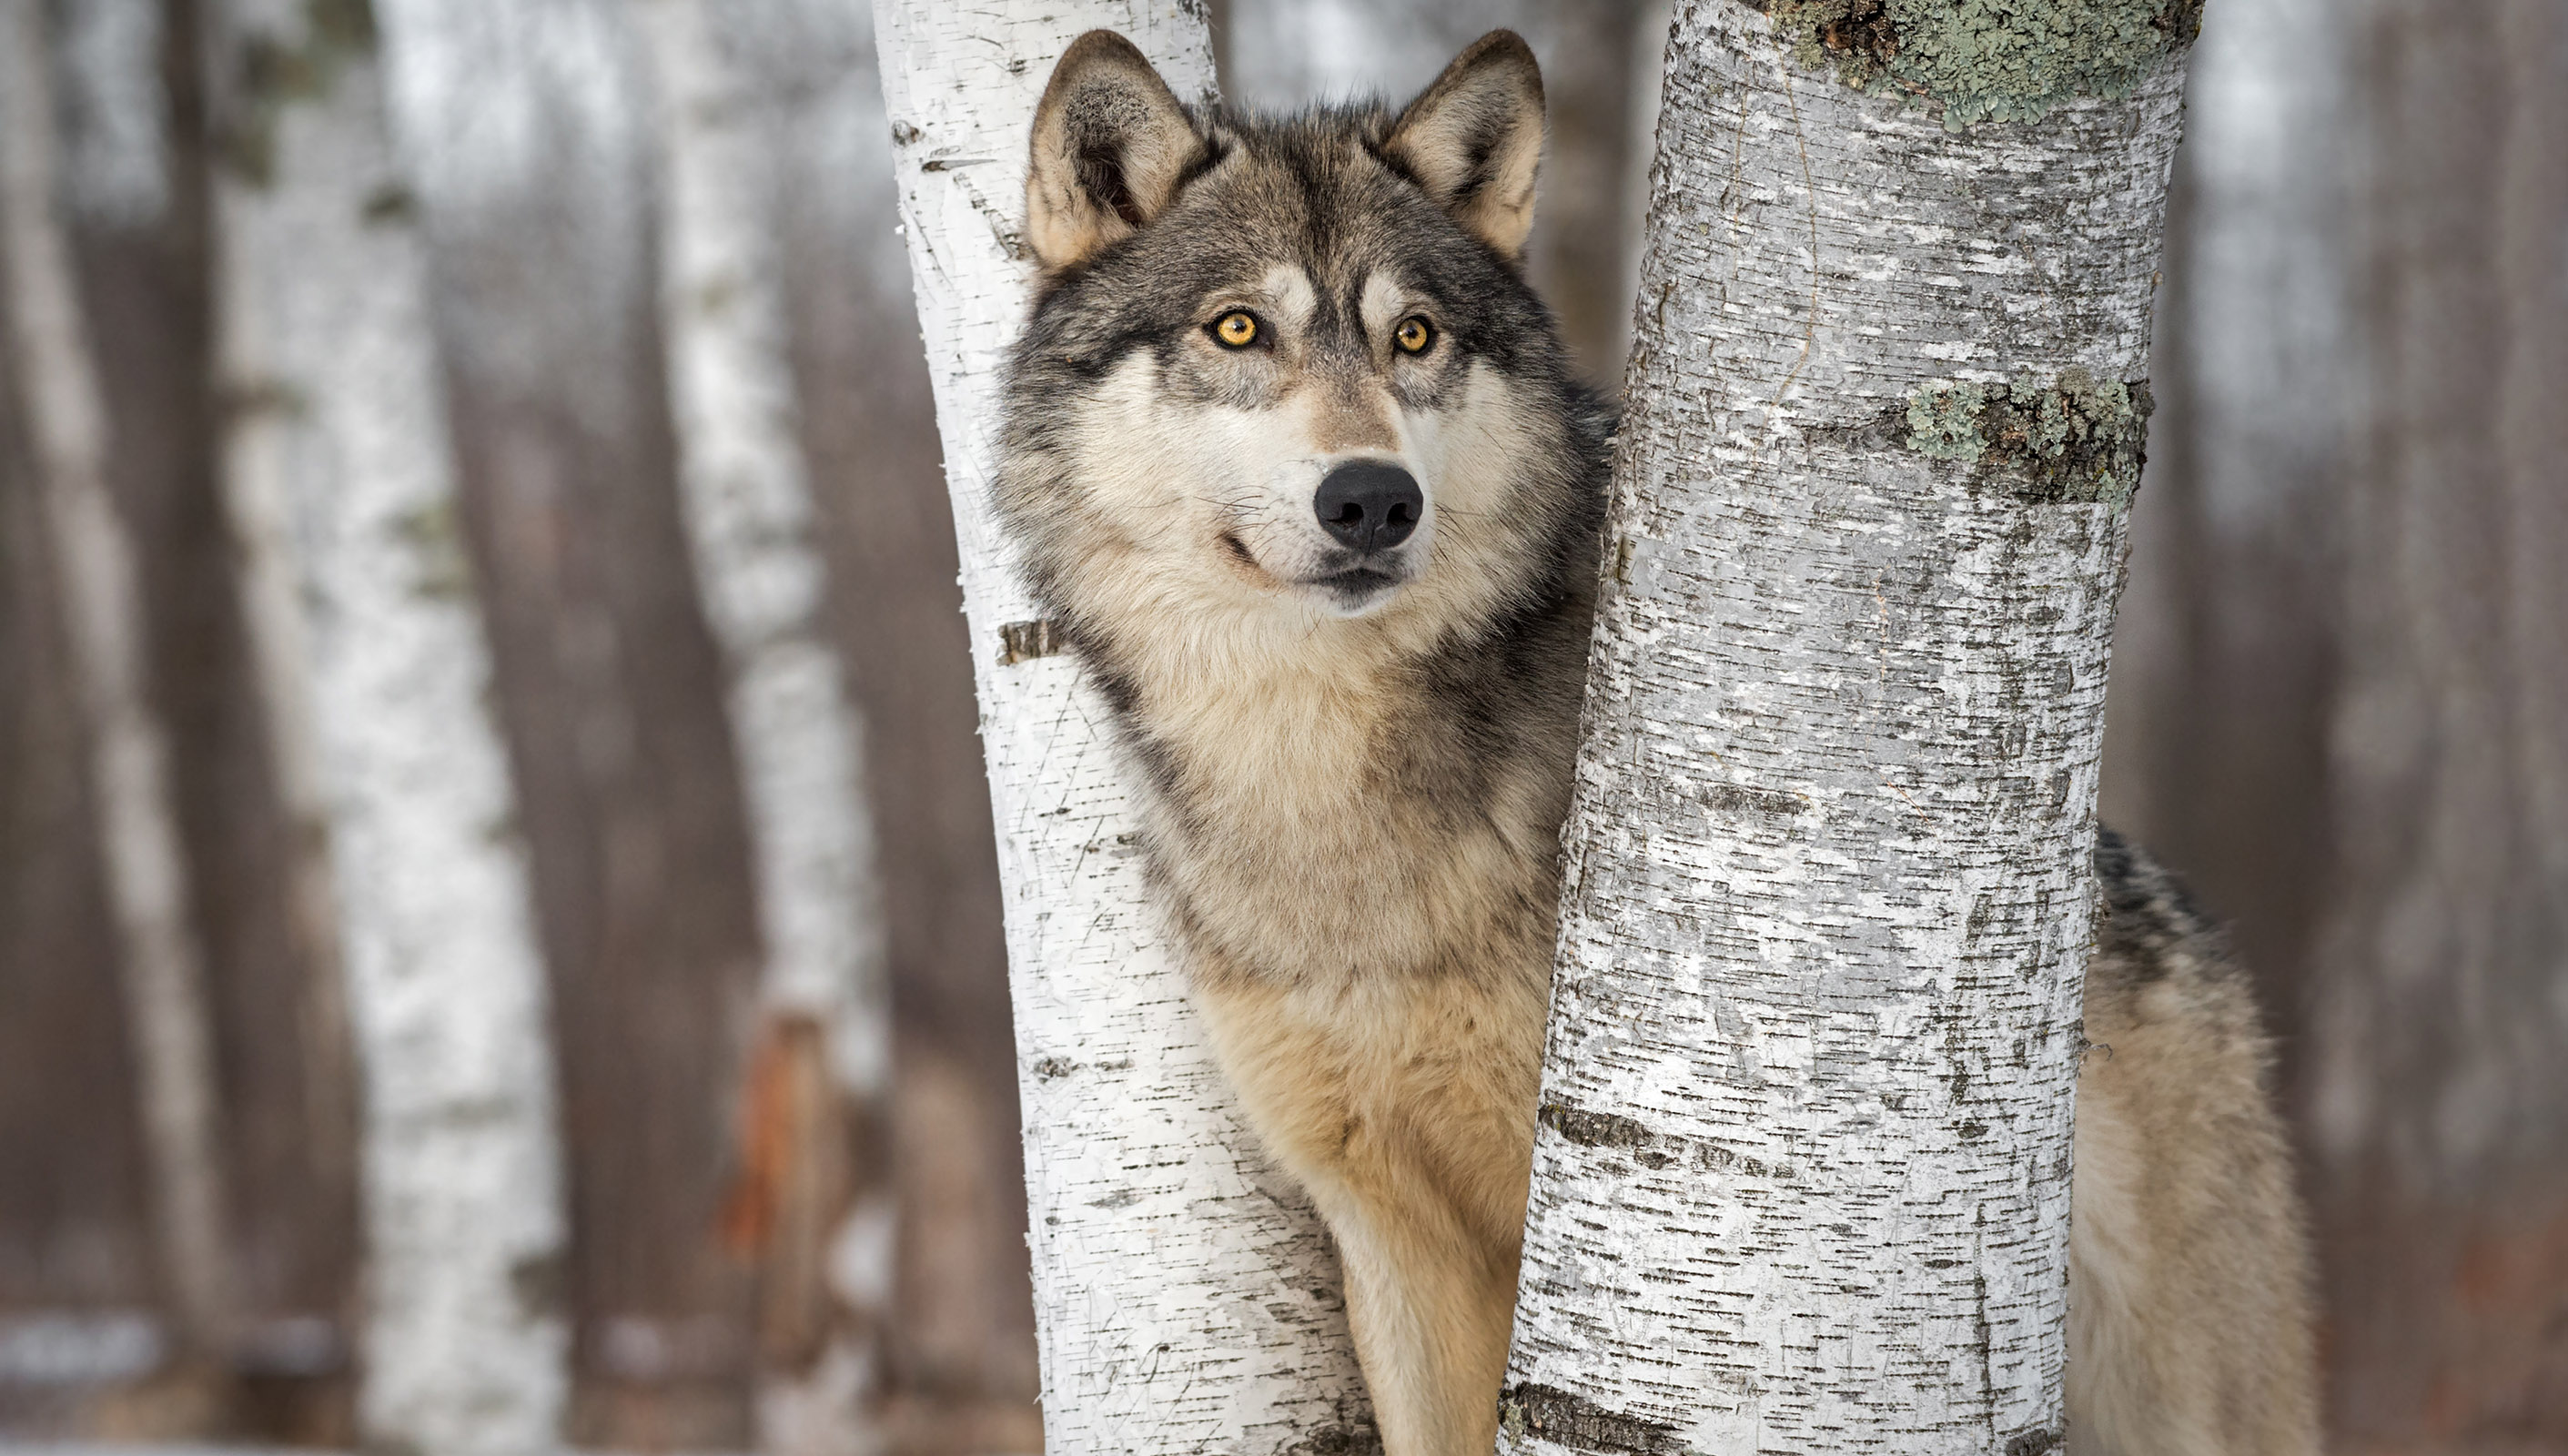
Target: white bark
point(1185, 1293)
point(338, 472)
point(747, 499)
point(158, 958)
point(1802, 1180)
point(254, 480)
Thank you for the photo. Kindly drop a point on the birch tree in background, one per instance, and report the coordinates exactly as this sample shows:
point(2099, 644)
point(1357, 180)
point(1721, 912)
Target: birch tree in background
point(1802, 1174)
point(1183, 1291)
point(336, 467)
point(160, 960)
point(746, 494)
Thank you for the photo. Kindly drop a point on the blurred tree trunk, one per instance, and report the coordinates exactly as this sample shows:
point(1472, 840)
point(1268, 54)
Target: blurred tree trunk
point(1183, 1290)
point(815, 1201)
point(338, 472)
point(158, 958)
point(528, 129)
point(961, 1347)
point(75, 1225)
point(1802, 1173)
point(2438, 1065)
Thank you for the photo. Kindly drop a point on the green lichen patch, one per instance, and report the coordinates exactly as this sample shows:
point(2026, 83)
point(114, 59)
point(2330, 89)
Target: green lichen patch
point(435, 540)
point(271, 74)
point(2077, 439)
point(1987, 60)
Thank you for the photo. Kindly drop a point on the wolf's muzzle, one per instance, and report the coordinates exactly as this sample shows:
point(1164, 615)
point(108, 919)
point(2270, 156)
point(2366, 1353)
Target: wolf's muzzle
point(1371, 506)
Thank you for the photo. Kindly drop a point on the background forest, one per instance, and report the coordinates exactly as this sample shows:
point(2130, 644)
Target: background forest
point(2340, 701)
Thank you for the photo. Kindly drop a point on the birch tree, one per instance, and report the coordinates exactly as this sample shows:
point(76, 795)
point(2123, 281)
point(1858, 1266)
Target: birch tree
point(749, 514)
point(1802, 1173)
point(1185, 1294)
point(158, 958)
point(337, 475)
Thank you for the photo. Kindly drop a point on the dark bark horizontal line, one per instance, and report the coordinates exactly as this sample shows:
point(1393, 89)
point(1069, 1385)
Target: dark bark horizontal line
point(1595, 1130)
point(1573, 1420)
point(1652, 1150)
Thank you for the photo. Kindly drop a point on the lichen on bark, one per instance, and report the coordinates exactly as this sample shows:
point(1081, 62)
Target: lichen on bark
point(1987, 60)
point(2073, 441)
point(271, 74)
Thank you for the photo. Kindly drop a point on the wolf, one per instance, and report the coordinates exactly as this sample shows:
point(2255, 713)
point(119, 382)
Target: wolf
point(1300, 471)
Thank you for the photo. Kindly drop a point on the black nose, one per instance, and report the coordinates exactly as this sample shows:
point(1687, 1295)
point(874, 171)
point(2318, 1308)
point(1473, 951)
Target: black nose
point(1369, 504)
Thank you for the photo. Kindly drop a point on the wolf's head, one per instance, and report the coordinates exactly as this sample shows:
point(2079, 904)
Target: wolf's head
point(1285, 384)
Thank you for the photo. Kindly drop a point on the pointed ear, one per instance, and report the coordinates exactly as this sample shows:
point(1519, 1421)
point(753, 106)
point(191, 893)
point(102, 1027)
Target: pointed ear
point(1475, 139)
point(1109, 144)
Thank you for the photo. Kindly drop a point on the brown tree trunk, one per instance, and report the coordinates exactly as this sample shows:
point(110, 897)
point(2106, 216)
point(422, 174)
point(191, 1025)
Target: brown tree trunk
point(158, 956)
point(2438, 1065)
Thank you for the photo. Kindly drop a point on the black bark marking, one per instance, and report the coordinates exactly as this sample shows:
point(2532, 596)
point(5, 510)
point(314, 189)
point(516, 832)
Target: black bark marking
point(1338, 1440)
point(1573, 1420)
point(1025, 641)
point(1595, 1130)
point(1738, 798)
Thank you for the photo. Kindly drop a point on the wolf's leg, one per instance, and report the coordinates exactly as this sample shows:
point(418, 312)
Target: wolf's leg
point(1430, 1305)
point(2189, 1320)
point(1415, 1148)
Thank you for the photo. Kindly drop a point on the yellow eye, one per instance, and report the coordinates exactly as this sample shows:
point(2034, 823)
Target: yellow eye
point(1237, 328)
point(1415, 334)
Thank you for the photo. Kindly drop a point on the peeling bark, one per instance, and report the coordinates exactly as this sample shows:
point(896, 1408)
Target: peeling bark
point(1185, 1293)
point(1802, 1177)
point(338, 475)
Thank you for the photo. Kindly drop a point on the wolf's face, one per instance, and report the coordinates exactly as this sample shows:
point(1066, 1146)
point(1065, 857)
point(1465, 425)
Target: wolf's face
point(1285, 373)
point(1293, 442)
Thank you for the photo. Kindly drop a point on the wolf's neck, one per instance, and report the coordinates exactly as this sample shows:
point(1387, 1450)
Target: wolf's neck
point(1249, 728)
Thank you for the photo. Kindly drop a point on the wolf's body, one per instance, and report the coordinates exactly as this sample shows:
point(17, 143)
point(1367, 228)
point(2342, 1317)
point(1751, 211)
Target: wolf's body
point(1354, 729)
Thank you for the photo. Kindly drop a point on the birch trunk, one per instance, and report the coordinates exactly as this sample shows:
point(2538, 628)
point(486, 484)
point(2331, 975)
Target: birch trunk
point(1802, 1177)
point(158, 958)
point(337, 471)
point(253, 480)
point(746, 497)
point(1183, 1291)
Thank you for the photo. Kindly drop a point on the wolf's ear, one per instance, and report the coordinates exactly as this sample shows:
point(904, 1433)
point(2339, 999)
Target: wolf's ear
point(1475, 139)
point(1109, 144)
